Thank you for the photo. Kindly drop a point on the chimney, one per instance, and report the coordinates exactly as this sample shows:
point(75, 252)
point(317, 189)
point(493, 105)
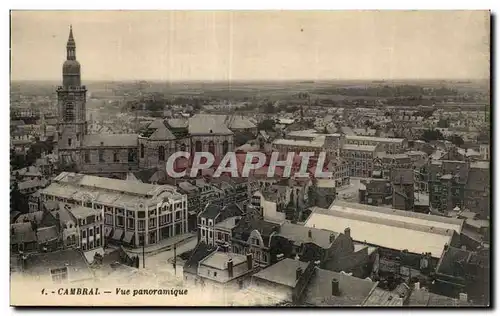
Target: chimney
point(464, 247)
point(309, 234)
point(249, 261)
point(462, 297)
point(230, 267)
point(298, 273)
point(445, 247)
point(417, 286)
point(335, 287)
point(347, 232)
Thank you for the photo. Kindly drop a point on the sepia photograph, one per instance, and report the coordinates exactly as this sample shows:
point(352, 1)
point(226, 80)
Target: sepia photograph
point(250, 158)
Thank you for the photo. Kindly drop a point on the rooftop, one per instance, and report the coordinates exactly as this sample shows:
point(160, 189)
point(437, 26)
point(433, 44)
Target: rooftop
point(359, 147)
point(415, 232)
point(83, 212)
point(282, 272)
point(218, 260)
point(94, 182)
point(41, 264)
point(317, 142)
point(228, 223)
point(300, 234)
point(203, 124)
point(375, 139)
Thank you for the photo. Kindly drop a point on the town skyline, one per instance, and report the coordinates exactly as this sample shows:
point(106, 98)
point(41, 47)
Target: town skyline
point(214, 46)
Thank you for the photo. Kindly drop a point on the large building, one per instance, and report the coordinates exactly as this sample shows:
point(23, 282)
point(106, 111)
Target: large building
point(134, 213)
point(114, 155)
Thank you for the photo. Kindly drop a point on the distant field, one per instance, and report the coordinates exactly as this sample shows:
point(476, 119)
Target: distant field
point(278, 89)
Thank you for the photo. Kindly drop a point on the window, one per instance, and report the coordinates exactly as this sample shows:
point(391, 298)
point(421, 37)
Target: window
point(87, 156)
point(198, 146)
point(84, 234)
point(161, 153)
point(177, 215)
point(119, 220)
point(97, 242)
point(84, 247)
point(97, 230)
point(59, 275)
point(101, 155)
point(210, 222)
point(130, 223)
point(152, 222)
point(163, 219)
point(225, 147)
point(215, 274)
point(69, 112)
point(219, 235)
point(77, 137)
point(115, 157)
point(91, 245)
point(69, 142)
point(183, 147)
point(131, 155)
point(142, 150)
point(108, 219)
point(210, 234)
point(91, 232)
point(211, 147)
point(142, 224)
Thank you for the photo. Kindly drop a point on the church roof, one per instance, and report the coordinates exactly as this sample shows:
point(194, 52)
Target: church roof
point(162, 133)
point(205, 124)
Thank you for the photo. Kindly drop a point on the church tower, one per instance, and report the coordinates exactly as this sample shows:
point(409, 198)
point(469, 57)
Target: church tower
point(71, 97)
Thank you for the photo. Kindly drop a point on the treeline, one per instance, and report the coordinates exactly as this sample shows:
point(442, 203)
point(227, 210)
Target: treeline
point(390, 91)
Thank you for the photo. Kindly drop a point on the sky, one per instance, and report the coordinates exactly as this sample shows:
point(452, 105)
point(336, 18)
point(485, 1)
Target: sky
point(258, 45)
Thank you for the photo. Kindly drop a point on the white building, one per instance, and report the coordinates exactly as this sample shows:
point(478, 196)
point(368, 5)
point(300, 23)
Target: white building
point(133, 212)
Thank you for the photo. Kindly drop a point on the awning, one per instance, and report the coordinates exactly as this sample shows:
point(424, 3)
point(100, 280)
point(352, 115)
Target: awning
point(118, 234)
point(128, 237)
point(107, 231)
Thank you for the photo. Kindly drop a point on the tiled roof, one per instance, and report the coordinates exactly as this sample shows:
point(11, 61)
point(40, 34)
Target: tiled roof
point(201, 251)
point(22, 232)
point(352, 291)
point(299, 233)
point(46, 234)
point(73, 260)
point(205, 124)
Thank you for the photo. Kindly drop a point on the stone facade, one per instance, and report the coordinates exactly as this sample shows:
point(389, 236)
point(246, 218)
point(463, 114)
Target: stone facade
point(114, 155)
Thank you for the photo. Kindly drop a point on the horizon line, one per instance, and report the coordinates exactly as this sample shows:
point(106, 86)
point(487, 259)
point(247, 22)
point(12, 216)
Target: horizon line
point(263, 80)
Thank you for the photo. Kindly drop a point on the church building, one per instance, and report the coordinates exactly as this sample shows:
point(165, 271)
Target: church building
point(114, 155)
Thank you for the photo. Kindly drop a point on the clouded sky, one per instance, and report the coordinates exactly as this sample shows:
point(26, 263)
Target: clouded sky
point(238, 45)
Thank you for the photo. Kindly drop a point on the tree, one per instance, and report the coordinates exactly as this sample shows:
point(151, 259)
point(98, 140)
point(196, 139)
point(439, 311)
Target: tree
point(443, 123)
point(266, 125)
point(431, 135)
point(456, 140)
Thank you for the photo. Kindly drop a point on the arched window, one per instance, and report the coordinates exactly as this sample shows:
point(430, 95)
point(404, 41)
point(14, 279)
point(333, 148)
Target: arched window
point(225, 147)
point(142, 150)
point(69, 112)
point(199, 146)
point(211, 147)
point(161, 153)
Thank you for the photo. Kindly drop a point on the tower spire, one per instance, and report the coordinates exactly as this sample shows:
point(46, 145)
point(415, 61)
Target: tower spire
point(71, 45)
